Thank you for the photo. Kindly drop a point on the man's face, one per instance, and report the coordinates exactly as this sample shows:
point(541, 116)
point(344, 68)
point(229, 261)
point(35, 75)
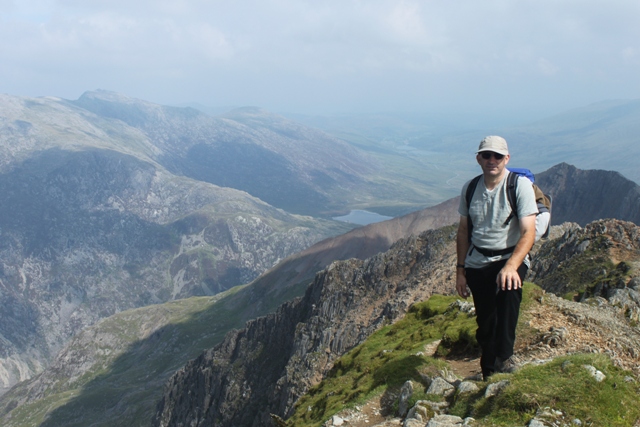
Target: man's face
point(492, 164)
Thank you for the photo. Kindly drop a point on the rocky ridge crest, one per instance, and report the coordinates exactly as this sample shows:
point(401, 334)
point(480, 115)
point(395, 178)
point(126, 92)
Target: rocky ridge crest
point(265, 367)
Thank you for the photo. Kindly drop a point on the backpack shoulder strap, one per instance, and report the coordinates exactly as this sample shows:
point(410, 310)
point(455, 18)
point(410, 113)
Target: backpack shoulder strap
point(468, 196)
point(512, 186)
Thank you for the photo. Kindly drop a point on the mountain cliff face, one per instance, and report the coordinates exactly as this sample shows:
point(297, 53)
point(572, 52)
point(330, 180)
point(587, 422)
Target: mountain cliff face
point(267, 366)
point(91, 224)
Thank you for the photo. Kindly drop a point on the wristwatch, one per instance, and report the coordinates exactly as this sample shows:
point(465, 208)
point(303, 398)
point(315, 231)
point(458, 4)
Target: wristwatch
point(459, 265)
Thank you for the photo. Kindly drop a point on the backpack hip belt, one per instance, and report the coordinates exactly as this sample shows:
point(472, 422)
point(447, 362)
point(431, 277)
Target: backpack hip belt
point(497, 252)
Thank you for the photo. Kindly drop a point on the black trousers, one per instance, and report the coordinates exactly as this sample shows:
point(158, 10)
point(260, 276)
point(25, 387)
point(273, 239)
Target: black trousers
point(497, 313)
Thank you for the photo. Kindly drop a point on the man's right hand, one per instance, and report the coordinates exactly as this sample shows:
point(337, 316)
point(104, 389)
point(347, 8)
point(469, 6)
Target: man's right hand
point(461, 283)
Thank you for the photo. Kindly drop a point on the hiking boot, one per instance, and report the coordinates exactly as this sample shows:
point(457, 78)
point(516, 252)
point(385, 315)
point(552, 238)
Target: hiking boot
point(509, 365)
point(486, 373)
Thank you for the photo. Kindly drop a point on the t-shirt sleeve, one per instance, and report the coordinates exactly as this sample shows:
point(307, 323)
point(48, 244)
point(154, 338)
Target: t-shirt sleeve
point(526, 198)
point(462, 207)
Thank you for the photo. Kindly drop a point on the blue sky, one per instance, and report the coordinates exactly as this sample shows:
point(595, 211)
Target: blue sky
point(337, 56)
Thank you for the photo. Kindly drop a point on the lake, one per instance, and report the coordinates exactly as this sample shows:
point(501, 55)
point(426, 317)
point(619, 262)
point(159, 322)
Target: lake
point(362, 217)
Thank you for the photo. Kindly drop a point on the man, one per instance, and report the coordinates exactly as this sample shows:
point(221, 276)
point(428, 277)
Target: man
point(493, 259)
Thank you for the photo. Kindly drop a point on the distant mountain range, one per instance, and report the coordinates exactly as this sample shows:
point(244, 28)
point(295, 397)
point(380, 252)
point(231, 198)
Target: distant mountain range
point(287, 165)
point(603, 135)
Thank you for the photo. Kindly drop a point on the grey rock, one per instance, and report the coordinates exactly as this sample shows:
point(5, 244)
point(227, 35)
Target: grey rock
point(596, 374)
point(445, 421)
point(436, 407)
point(337, 421)
point(441, 387)
point(405, 395)
point(467, 387)
point(412, 422)
point(418, 412)
point(449, 376)
point(495, 388)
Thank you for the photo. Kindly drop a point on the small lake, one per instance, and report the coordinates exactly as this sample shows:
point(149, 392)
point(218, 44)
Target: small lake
point(361, 217)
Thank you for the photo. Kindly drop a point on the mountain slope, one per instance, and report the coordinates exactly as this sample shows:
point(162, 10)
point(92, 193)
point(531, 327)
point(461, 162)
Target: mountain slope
point(91, 225)
point(299, 343)
point(290, 166)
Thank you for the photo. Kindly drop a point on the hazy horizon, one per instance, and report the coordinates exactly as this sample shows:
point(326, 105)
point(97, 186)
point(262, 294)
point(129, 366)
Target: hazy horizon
point(513, 61)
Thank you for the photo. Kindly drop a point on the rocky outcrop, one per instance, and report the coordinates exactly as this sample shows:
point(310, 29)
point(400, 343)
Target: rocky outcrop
point(267, 366)
point(599, 260)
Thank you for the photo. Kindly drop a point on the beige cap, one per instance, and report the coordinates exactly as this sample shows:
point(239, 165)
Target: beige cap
point(497, 144)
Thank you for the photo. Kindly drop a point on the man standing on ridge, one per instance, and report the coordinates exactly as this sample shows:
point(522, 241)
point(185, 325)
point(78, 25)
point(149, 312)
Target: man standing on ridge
point(493, 243)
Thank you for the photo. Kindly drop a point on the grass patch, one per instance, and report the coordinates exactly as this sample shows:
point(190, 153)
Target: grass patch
point(389, 358)
point(562, 385)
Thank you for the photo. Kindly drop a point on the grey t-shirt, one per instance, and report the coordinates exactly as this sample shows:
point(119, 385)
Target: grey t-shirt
point(488, 211)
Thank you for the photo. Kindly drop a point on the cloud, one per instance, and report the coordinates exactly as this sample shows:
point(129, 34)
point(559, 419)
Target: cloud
point(546, 67)
point(300, 54)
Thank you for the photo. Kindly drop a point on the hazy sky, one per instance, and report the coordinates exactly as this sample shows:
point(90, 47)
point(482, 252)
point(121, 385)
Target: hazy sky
point(501, 56)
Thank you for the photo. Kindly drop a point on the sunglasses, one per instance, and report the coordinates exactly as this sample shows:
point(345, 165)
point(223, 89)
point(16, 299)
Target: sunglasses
point(487, 155)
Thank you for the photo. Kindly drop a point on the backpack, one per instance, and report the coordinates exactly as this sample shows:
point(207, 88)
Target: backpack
point(544, 202)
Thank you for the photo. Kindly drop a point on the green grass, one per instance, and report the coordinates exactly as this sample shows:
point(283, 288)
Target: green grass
point(564, 385)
